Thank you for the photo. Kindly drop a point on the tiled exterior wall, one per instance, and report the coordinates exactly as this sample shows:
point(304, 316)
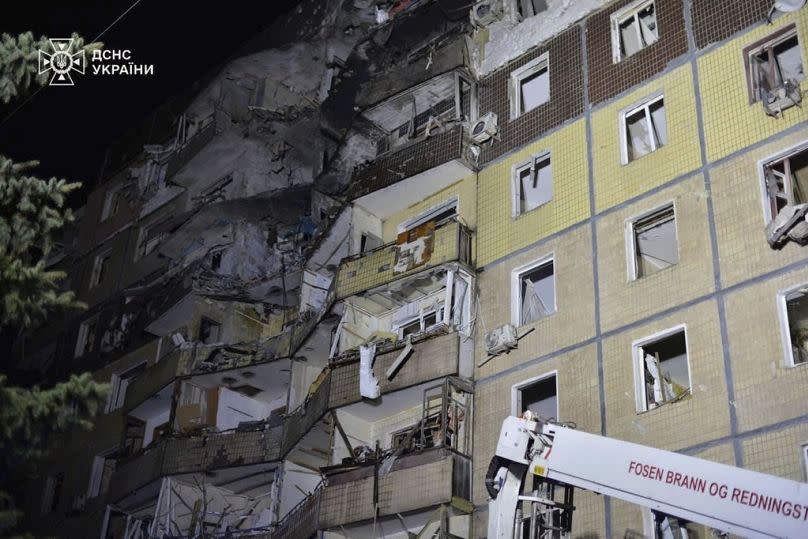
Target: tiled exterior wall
point(407, 161)
point(498, 232)
point(615, 182)
point(730, 121)
point(715, 21)
point(622, 301)
point(573, 322)
point(737, 188)
point(766, 390)
point(607, 79)
point(430, 359)
point(566, 95)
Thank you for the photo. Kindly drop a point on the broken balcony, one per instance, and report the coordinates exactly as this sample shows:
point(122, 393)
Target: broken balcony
point(214, 425)
point(416, 250)
point(405, 454)
point(418, 130)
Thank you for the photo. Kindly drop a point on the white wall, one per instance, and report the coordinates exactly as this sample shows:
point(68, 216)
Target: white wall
point(234, 408)
point(295, 476)
point(153, 422)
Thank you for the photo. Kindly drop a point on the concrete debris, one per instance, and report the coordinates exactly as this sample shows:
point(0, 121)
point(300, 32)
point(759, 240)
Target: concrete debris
point(368, 384)
point(779, 229)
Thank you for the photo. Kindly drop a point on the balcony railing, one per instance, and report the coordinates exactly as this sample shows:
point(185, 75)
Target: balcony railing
point(433, 356)
point(407, 161)
point(187, 151)
point(414, 482)
point(219, 450)
point(452, 242)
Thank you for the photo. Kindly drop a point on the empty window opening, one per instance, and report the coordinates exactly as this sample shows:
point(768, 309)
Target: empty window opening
point(112, 202)
point(540, 397)
point(796, 305)
point(85, 343)
point(530, 8)
point(101, 472)
point(439, 214)
point(209, 331)
point(786, 182)
point(654, 246)
point(662, 366)
point(100, 268)
point(772, 62)
point(533, 184)
point(633, 29)
point(536, 289)
point(644, 129)
point(216, 260)
point(119, 384)
point(530, 86)
point(53, 492)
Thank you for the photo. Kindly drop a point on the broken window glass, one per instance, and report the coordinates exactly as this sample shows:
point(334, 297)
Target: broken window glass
point(787, 181)
point(537, 293)
point(534, 89)
point(539, 397)
point(535, 184)
point(655, 246)
point(636, 30)
point(797, 312)
point(646, 129)
point(666, 375)
point(774, 63)
point(100, 268)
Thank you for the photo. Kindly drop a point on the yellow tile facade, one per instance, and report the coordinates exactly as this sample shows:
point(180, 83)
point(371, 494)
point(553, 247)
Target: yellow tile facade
point(738, 202)
point(466, 192)
point(499, 233)
point(699, 417)
point(623, 301)
point(616, 182)
point(577, 380)
point(730, 121)
point(766, 390)
point(778, 452)
point(574, 319)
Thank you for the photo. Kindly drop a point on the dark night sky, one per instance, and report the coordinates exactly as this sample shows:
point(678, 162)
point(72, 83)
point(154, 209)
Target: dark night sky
point(69, 128)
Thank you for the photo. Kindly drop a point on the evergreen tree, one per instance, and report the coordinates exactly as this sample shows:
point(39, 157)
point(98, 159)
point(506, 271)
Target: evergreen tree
point(31, 211)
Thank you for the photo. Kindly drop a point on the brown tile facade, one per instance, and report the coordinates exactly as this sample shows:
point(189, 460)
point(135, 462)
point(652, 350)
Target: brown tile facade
point(566, 95)
point(410, 160)
point(607, 79)
point(714, 21)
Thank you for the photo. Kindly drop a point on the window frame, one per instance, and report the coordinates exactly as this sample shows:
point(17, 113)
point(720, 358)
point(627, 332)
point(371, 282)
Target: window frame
point(769, 42)
point(632, 268)
point(766, 162)
point(96, 278)
point(430, 214)
point(516, 184)
point(785, 332)
point(519, 386)
point(516, 288)
point(80, 348)
point(645, 104)
point(111, 196)
point(620, 16)
point(640, 396)
point(534, 66)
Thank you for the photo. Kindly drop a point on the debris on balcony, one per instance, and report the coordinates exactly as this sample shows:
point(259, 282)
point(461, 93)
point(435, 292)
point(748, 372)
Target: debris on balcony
point(368, 384)
point(414, 247)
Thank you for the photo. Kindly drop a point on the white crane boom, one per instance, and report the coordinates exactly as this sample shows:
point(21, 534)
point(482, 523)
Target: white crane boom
point(730, 499)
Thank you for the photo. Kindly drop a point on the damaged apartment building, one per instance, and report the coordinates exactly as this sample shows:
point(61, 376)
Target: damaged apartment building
point(319, 281)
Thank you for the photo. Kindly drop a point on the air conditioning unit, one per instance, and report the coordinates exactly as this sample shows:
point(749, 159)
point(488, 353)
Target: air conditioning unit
point(483, 129)
point(501, 339)
point(485, 12)
point(781, 98)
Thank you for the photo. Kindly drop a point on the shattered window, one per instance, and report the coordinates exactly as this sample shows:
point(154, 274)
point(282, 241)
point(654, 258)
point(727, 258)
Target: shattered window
point(530, 86)
point(773, 62)
point(112, 203)
point(797, 313)
point(209, 331)
point(633, 29)
point(100, 268)
point(655, 245)
point(536, 293)
point(664, 372)
point(786, 182)
point(540, 397)
point(534, 184)
point(645, 129)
